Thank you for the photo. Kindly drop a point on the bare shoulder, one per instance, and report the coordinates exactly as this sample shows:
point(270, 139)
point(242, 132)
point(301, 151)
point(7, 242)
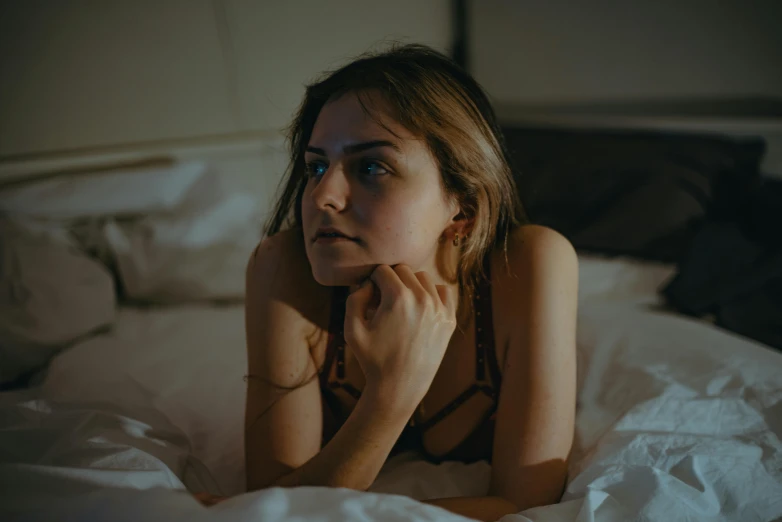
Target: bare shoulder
point(279, 268)
point(536, 249)
point(277, 260)
point(539, 284)
point(279, 275)
point(540, 241)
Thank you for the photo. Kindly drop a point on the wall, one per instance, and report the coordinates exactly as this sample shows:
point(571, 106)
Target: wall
point(82, 74)
point(560, 51)
point(537, 59)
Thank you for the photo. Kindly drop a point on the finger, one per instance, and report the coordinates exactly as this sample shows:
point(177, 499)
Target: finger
point(428, 285)
point(356, 309)
point(410, 280)
point(388, 284)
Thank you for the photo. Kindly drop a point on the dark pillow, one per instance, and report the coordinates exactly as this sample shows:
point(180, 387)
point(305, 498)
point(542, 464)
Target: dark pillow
point(635, 193)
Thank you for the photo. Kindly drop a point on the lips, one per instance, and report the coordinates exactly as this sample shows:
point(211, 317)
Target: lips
point(330, 233)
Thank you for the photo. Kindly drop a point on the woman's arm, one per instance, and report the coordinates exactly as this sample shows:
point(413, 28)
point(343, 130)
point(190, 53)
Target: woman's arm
point(536, 412)
point(354, 456)
point(283, 428)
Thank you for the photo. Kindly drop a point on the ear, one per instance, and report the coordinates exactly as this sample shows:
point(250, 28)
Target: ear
point(462, 224)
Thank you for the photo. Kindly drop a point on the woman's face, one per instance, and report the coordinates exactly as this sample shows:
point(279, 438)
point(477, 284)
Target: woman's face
point(381, 191)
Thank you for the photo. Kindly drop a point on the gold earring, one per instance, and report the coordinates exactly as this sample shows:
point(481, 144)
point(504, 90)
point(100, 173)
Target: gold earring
point(456, 240)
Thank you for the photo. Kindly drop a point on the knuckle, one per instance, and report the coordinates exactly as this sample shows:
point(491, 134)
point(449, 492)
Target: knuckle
point(406, 301)
point(427, 299)
point(407, 297)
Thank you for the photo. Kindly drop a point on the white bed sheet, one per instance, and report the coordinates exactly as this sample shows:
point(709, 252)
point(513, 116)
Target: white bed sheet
point(677, 420)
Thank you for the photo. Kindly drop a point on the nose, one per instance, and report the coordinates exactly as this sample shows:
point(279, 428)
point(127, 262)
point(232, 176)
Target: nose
point(331, 190)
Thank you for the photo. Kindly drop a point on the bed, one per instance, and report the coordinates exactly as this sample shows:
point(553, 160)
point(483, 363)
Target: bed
point(677, 419)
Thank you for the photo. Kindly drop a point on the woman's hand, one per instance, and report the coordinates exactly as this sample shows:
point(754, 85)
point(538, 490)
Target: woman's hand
point(401, 345)
point(208, 499)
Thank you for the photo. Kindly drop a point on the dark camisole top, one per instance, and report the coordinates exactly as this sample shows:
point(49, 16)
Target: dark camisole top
point(478, 444)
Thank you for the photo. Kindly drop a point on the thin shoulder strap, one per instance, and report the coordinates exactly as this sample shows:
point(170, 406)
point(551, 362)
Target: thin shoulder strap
point(484, 328)
point(336, 335)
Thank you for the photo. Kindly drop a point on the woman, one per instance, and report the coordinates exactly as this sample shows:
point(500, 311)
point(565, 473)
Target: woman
point(406, 307)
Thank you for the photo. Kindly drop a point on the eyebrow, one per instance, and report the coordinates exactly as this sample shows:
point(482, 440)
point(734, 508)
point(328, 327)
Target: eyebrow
point(358, 147)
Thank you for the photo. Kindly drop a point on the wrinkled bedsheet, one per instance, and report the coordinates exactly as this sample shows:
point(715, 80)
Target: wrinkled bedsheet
point(677, 420)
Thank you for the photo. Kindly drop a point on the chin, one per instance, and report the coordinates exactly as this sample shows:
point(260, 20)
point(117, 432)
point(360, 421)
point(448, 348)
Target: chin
point(327, 274)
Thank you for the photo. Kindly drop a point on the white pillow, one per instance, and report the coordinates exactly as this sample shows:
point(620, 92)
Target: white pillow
point(173, 233)
point(112, 193)
point(50, 295)
point(621, 279)
point(196, 252)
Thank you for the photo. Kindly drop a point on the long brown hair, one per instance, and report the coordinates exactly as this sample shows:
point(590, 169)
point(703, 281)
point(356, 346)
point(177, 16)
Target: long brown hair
point(436, 100)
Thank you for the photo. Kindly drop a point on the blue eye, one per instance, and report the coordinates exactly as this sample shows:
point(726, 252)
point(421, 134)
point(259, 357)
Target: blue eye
point(316, 169)
point(372, 169)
